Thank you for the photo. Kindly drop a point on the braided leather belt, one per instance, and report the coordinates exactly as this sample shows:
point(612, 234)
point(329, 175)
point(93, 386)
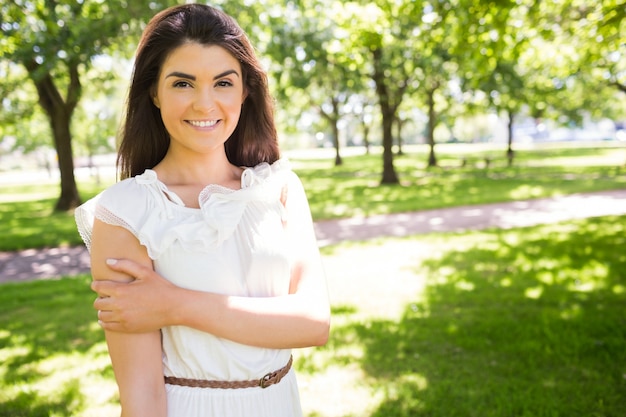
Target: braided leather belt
point(268, 379)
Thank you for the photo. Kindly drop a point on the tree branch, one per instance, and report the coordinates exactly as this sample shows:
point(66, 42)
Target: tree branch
point(74, 89)
point(49, 96)
point(620, 87)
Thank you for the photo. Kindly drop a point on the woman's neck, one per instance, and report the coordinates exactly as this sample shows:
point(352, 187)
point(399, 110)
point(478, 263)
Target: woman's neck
point(198, 171)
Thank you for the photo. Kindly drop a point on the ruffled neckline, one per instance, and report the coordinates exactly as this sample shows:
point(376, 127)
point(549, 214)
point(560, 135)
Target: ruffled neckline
point(250, 177)
point(221, 208)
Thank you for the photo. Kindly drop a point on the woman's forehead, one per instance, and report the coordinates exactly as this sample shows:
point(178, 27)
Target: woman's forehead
point(198, 59)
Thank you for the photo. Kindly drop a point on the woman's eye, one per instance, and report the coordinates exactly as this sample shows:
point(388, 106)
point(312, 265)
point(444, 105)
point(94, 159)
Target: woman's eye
point(181, 84)
point(224, 83)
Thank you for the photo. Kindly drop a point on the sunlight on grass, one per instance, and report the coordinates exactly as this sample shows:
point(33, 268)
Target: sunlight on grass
point(518, 322)
point(534, 292)
point(615, 158)
point(506, 322)
point(21, 193)
point(524, 192)
point(53, 365)
point(62, 382)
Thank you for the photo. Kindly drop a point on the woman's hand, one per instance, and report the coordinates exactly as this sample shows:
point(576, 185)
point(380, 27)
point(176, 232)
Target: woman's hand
point(142, 305)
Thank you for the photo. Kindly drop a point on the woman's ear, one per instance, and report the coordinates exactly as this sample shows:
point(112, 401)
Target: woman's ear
point(155, 97)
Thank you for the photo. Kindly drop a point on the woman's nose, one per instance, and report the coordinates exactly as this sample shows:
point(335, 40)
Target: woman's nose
point(204, 101)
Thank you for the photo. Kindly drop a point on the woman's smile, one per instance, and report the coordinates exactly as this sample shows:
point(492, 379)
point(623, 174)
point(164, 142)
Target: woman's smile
point(203, 123)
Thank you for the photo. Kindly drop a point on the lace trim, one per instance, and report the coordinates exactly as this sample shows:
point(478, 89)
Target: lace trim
point(103, 215)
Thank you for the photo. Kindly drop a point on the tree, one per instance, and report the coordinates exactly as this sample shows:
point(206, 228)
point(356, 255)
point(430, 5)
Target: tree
point(55, 42)
point(382, 32)
point(599, 31)
point(574, 48)
point(18, 104)
point(311, 53)
point(498, 33)
point(96, 120)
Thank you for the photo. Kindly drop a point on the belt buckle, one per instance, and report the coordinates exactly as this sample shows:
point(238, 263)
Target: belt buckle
point(266, 380)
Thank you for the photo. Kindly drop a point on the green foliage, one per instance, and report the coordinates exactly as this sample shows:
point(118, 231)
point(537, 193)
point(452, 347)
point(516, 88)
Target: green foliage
point(55, 42)
point(331, 60)
point(54, 39)
point(580, 53)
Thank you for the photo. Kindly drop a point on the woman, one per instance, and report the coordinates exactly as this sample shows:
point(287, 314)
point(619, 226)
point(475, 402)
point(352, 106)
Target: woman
point(204, 255)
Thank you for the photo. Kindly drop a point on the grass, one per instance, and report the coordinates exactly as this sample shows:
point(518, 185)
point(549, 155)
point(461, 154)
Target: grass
point(515, 323)
point(522, 322)
point(353, 189)
point(27, 219)
point(53, 358)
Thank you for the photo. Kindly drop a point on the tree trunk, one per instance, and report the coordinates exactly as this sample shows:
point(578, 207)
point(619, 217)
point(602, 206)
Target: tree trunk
point(399, 124)
point(69, 198)
point(366, 138)
point(389, 172)
point(333, 121)
point(335, 129)
point(388, 114)
point(510, 154)
point(338, 160)
point(59, 114)
point(363, 120)
point(432, 122)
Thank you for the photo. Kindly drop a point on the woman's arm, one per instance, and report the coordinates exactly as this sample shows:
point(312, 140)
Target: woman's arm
point(136, 357)
point(299, 319)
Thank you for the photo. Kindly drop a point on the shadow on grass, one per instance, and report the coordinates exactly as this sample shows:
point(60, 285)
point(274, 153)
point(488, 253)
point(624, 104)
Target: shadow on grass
point(528, 322)
point(48, 344)
point(29, 404)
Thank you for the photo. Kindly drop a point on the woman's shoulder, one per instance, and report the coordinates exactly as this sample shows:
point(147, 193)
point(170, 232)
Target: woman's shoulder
point(128, 195)
point(266, 172)
point(130, 190)
point(136, 184)
point(128, 203)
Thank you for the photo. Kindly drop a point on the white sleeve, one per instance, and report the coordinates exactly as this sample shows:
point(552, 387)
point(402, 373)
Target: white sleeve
point(123, 204)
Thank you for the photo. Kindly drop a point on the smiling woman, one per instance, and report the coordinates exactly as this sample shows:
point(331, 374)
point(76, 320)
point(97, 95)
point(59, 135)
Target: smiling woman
point(204, 256)
point(200, 93)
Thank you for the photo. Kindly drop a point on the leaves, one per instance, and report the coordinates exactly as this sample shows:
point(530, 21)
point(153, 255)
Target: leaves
point(554, 59)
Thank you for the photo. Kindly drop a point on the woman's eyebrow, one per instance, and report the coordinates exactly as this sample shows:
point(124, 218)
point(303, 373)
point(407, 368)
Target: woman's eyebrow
point(225, 73)
point(193, 77)
point(181, 75)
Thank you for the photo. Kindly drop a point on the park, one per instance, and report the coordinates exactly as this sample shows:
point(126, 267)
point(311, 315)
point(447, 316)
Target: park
point(388, 112)
point(495, 322)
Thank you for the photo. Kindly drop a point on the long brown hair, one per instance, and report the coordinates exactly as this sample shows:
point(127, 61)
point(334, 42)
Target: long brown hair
point(144, 139)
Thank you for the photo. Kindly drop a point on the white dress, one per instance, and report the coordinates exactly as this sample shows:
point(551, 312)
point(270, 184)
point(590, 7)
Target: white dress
point(233, 244)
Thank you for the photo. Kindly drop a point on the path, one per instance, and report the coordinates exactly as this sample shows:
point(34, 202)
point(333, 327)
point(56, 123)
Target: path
point(49, 263)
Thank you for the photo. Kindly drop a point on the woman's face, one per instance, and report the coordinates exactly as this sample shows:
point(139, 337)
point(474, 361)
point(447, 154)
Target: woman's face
point(200, 93)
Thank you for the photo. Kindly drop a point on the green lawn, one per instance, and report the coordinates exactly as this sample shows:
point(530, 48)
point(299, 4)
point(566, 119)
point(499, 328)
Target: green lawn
point(522, 322)
point(353, 189)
